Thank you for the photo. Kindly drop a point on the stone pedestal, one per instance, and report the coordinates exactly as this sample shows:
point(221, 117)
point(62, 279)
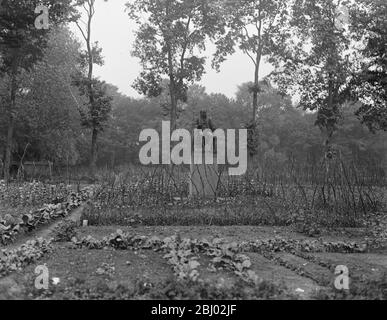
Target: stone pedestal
point(204, 180)
point(204, 177)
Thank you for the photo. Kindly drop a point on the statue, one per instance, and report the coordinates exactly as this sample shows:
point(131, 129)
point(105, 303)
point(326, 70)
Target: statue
point(204, 178)
point(205, 123)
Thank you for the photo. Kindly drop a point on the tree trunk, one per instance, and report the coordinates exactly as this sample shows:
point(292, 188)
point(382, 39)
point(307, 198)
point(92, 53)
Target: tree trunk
point(8, 150)
point(328, 143)
point(255, 93)
point(11, 121)
point(94, 135)
point(173, 106)
point(172, 90)
point(330, 124)
point(94, 151)
point(172, 83)
point(254, 126)
point(256, 85)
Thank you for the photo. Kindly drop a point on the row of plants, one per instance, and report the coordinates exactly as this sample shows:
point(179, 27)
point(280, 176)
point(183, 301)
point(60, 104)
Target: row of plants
point(32, 250)
point(125, 241)
point(361, 286)
point(32, 194)
point(340, 198)
point(43, 216)
point(185, 255)
point(331, 181)
point(170, 289)
point(242, 210)
point(171, 186)
point(28, 253)
point(181, 254)
point(276, 245)
point(360, 289)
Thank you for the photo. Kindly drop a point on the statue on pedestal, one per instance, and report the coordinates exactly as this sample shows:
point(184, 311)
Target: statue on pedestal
point(204, 177)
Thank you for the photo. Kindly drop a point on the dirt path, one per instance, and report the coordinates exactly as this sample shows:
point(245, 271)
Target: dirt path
point(45, 230)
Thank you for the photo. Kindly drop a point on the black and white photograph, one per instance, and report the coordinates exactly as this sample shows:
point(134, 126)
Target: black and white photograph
point(189, 156)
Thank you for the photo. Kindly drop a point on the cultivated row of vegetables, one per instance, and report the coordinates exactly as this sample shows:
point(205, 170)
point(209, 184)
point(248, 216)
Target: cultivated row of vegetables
point(58, 208)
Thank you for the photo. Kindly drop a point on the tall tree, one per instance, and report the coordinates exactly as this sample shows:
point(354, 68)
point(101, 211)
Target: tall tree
point(99, 103)
point(47, 115)
point(255, 27)
point(171, 36)
point(22, 45)
point(369, 85)
point(317, 61)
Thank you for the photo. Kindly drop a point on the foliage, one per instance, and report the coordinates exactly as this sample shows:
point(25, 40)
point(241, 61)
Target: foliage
point(22, 46)
point(255, 27)
point(177, 290)
point(94, 116)
point(188, 259)
point(283, 193)
point(65, 231)
point(370, 82)
point(46, 214)
point(171, 289)
point(169, 44)
point(18, 34)
point(317, 62)
point(28, 253)
point(33, 193)
point(46, 125)
point(182, 258)
point(98, 105)
point(47, 120)
point(284, 131)
point(374, 289)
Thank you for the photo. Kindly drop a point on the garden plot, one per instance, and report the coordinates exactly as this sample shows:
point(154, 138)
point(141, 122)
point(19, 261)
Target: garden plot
point(256, 246)
point(26, 207)
point(202, 262)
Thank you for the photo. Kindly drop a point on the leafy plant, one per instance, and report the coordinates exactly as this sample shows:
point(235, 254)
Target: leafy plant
point(30, 252)
point(45, 215)
point(65, 231)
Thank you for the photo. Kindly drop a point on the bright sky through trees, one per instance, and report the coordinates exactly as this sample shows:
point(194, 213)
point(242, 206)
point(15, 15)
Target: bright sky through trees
point(113, 30)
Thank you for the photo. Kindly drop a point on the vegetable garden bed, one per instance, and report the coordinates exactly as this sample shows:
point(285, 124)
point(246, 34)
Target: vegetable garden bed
point(138, 263)
point(64, 200)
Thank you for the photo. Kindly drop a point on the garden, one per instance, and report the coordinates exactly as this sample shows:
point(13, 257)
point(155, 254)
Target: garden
point(108, 107)
point(138, 235)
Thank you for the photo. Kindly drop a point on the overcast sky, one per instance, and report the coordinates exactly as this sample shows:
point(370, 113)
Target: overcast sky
point(114, 31)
